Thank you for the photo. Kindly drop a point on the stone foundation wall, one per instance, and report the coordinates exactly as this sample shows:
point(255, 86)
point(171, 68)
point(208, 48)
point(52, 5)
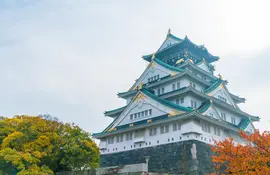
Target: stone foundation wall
point(174, 158)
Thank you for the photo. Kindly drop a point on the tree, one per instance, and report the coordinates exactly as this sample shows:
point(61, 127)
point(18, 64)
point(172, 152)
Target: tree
point(43, 145)
point(251, 158)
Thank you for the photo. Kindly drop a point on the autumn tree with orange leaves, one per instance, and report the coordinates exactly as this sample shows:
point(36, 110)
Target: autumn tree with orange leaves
point(253, 158)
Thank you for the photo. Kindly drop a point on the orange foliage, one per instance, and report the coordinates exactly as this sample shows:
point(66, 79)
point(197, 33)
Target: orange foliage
point(253, 158)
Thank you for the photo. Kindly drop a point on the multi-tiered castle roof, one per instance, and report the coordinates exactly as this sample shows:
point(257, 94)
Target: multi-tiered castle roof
point(176, 98)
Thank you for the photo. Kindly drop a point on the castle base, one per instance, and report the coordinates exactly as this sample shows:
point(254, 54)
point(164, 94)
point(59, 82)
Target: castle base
point(186, 158)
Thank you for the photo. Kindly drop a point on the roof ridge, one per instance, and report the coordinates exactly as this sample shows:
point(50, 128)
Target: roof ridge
point(165, 102)
point(204, 106)
point(123, 107)
point(156, 59)
point(214, 85)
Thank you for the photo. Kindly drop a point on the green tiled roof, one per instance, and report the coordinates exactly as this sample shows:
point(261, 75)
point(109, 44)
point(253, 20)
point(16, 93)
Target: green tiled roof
point(174, 37)
point(198, 48)
point(168, 66)
point(166, 102)
point(162, 118)
point(243, 123)
point(237, 98)
point(215, 101)
point(143, 122)
point(213, 86)
point(114, 111)
point(204, 107)
point(127, 93)
point(160, 100)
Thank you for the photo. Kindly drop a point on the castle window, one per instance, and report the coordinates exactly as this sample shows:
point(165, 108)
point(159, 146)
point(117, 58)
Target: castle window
point(164, 129)
point(129, 136)
point(119, 138)
point(222, 99)
point(217, 131)
point(157, 141)
point(139, 115)
point(124, 147)
point(176, 126)
point(162, 90)
point(142, 113)
point(156, 77)
point(168, 140)
point(177, 101)
point(150, 111)
point(131, 117)
point(135, 115)
point(223, 116)
point(149, 143)
point(167, 128)
point(172, 139)
point(180, 138)
point(182, 100)
point(206, 127)
point(203, 77)
point(152, 131)
point(193, 104)
point(110, 140)
point(173, 87)
point(146, 113)
point(158, 91)
point(233, 120)
point(178, 85)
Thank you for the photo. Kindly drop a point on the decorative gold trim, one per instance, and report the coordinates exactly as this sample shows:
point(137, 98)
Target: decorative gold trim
point(180, 60)
point(140, 86)
point(111, 129)
point(191, 60)
point(173, 74)
point(130, 125)
point(174, 113)
point(153, 64)
point(153, 56)
point(140, 96)
point(220, 76)
point(149, 121)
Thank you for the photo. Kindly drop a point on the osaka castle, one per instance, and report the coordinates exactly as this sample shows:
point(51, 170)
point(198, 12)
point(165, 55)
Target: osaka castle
point(175, 109)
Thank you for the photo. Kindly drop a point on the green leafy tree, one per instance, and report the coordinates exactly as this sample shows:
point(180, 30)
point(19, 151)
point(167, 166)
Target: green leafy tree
point(43, 145)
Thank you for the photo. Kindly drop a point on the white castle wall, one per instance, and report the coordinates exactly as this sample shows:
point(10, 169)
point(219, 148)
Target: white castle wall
point(189, 130)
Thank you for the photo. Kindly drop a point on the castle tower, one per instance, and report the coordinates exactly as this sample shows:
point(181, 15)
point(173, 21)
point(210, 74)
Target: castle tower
point(174, 110)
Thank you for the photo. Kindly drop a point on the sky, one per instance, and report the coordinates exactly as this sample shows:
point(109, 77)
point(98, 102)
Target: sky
point(70, 58)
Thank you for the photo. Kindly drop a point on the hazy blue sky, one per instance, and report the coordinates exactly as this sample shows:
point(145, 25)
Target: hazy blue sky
point(70, 58)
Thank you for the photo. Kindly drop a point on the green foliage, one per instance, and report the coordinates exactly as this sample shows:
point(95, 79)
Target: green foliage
point(37, 145)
